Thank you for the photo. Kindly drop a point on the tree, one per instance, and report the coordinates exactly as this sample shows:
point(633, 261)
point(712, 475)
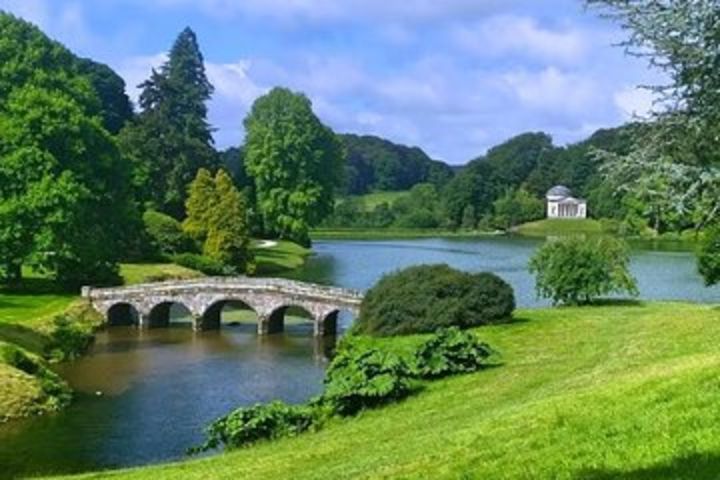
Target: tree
point(679, 150)
point(577, 271)
point(63, 189)
point(201, 203)
point(469, 222)
point(295, 161)
point(228, 239)
point(516, 207)
point(171, 140)
point(709, 256)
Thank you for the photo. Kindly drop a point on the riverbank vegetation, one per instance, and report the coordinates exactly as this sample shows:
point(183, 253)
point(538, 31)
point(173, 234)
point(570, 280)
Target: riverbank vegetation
point(584, 392)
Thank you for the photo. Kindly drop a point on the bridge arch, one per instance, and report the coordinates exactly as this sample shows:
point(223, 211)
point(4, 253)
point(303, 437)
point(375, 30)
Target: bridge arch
point(275, 321)
point(212, 316)
point(329, 322)
point(122, 314)
point(161, 314)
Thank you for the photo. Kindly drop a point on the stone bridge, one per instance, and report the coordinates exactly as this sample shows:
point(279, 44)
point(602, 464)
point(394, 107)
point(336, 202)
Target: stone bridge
point(148, 305)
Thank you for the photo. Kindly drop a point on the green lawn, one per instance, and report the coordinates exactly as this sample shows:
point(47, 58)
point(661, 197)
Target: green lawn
point(559, 226)
point(624, 391)
point(372, 200)
point(283, 257)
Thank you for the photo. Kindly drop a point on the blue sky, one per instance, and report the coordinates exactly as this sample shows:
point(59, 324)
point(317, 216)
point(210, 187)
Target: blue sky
point(454, 77)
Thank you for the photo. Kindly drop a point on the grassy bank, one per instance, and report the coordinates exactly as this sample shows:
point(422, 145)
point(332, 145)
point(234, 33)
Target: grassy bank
point(282, 257)
point(560, 226)
point(624, 391)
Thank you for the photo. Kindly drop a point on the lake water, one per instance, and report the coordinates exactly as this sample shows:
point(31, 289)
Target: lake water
point(161, 387)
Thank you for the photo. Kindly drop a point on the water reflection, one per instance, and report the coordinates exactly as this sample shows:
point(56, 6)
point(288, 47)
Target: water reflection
point(145, 395)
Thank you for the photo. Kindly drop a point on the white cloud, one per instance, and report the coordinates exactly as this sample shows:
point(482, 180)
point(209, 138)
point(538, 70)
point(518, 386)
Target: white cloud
point(554, 90)
point(634, 102)
point(503, 35)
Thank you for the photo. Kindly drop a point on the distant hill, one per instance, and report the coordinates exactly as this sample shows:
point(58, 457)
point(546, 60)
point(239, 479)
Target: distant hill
point(376, 164)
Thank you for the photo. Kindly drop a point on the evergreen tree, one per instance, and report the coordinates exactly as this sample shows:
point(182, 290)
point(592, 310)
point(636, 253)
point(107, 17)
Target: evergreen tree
point(295, 161)
point(172, 138)
point(201, 203)
point(228, 239)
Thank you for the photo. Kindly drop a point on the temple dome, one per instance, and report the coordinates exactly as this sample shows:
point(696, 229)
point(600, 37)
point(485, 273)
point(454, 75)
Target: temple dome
point(559, 191)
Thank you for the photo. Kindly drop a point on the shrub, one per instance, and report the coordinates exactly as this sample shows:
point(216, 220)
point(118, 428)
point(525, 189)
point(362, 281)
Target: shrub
point(576, 271)
point(166, 234)
point(708, 256)
point(361, 377)
point(203, 264)
point(68, 339)
point(424, 298)
point(450, 351)
point(245, 426)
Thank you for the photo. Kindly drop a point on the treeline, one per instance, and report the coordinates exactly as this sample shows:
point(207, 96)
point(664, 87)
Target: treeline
point(502, 188)
point(86, 181)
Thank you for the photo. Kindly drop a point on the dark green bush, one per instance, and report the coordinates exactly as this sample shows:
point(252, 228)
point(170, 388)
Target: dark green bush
point(450, 351)
point(361, 377)
point(424, 298)
point(166, 234)
point(245, 426)
point(203, 264)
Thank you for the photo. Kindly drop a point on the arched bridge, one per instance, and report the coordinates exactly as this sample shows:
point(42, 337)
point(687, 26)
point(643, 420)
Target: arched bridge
point(148, 305)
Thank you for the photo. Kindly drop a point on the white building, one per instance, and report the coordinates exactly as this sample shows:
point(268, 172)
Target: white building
point(561, 204)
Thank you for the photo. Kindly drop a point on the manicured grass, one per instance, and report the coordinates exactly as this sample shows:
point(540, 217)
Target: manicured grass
point(558, 226)
point(605, 392)
point(282, 257)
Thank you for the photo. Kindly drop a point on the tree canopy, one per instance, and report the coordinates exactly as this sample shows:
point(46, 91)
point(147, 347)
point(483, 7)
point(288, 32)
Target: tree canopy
point(64, 202)
point(296, 163)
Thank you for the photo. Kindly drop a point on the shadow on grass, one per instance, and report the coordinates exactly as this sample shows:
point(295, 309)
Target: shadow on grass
point(37, 286)
point(617, 302)
point(24, 337)
point(692, 467)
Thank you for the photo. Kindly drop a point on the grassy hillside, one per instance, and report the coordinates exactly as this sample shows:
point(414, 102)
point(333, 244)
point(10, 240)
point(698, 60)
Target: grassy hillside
point(557, 226)
point(625, 391)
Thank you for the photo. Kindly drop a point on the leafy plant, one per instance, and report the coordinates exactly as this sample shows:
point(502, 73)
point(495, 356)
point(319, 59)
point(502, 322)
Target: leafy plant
point(245, 426)
point(576, 271)
point(450, 351)
point(361, 377)
point(166, 234)
point(423, 298)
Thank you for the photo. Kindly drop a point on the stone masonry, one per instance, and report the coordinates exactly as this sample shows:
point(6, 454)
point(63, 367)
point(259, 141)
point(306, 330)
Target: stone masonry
point(148, 305)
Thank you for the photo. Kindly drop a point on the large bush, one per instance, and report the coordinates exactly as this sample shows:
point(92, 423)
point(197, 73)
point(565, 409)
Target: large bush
point(424, 298)
point(361, 377)
point(576, 270)
point(450, 351)
point(248, 425)
point(166, 234)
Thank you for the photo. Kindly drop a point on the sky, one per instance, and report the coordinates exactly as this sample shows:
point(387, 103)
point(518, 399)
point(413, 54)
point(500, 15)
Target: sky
point(454, 77)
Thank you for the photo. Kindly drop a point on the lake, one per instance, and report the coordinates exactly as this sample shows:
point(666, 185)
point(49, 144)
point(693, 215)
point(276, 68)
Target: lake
point(145, 396)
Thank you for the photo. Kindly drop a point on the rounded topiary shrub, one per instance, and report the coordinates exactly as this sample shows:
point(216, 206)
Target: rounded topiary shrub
point(424, 298)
